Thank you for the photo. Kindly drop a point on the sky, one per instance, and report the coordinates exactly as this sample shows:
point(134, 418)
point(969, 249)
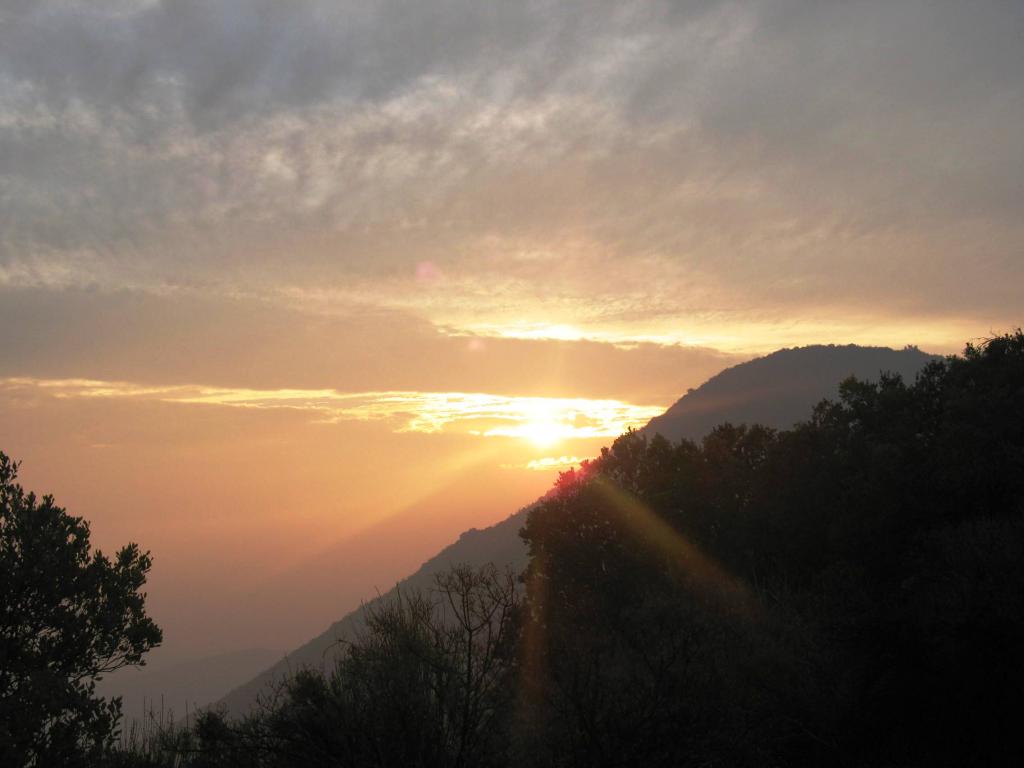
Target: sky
point(328, 282)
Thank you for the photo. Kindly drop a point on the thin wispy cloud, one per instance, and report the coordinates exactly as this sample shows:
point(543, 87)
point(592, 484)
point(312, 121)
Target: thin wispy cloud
point(630, 171)
point(548, 463)
point(540, 419)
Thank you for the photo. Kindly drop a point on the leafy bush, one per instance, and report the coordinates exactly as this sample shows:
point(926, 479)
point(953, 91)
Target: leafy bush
point(69, 616)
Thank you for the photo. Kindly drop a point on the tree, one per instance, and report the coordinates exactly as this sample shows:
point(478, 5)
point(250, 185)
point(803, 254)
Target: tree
point(847, 591)
point(430, 682)
point(68, 616)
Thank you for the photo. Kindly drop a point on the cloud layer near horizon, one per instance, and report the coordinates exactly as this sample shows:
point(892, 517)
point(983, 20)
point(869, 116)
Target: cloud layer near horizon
point(476, 413)
point(739, 175)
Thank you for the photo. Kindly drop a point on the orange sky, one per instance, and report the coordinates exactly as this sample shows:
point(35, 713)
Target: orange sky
point(239, 492)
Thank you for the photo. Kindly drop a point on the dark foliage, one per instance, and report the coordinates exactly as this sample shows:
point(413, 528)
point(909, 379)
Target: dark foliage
point(68, 616)
point(427, 684)
point(847, 592)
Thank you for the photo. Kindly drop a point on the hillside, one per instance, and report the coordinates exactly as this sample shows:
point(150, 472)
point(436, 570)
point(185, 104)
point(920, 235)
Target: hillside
point(776, 390)
point(172, 689)
point(780, 389)
point(498, 544)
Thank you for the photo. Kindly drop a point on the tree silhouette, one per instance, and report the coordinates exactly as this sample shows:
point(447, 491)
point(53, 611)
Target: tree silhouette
point(849, 591)
point(428, 683)
point(68, 616)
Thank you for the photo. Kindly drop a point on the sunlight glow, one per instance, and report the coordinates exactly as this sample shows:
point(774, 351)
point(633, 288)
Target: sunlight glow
point(662, 539)
point(543, 421)
point(548, 464)
point(732, 335)
point(542, 433)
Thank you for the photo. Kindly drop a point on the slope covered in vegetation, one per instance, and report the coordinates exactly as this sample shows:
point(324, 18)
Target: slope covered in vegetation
point(777, 390)
point(845, 592)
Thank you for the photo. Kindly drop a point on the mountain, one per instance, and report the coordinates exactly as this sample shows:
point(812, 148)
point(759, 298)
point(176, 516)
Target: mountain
point(308, 596)
point(780, 389)
point(777, 390)
point(173, 689)
point(499, 544)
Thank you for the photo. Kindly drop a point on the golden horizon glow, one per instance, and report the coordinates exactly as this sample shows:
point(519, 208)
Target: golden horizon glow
point(548, 463)
point(738, 336)
point(542, 421)
point(542, 433)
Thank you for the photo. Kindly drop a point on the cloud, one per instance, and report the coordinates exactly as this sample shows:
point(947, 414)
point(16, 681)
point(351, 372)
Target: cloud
point(548, 464)
point(184, 336)
point(631, 170)
point(481, 414)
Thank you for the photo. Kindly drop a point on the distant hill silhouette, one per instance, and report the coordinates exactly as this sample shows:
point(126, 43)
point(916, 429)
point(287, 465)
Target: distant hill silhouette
point(777, 390)
point(176, 688)
point(780, 389)
point(499, 544)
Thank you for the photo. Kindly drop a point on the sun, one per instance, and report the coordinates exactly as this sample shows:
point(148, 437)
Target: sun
point(543, 434)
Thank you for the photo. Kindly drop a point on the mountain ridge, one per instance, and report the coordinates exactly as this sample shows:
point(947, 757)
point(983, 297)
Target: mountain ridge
point(771, 391)
point(498, 544)
point(777, 390)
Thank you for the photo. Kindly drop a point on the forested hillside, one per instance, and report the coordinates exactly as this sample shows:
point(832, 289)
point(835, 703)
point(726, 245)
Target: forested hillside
point(779, 389)
point(497, 544)
point(846, 592)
